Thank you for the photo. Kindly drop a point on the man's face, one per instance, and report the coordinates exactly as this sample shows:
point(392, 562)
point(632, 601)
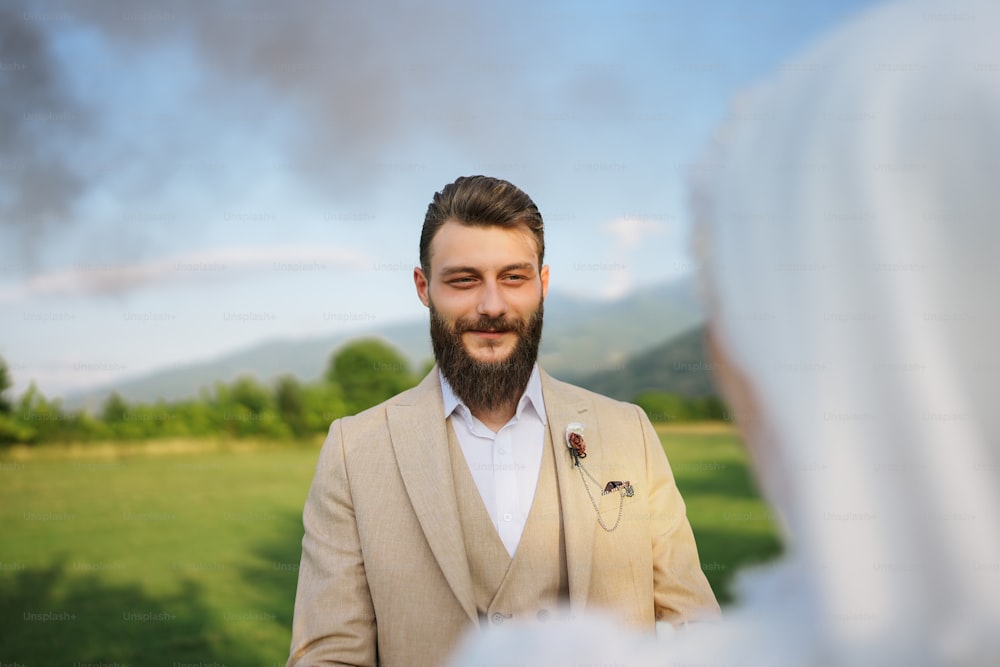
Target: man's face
point(485, 292)
point(480, 274)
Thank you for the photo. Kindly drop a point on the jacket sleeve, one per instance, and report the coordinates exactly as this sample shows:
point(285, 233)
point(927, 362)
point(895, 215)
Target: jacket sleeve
point(681, 592)
point(334, 621)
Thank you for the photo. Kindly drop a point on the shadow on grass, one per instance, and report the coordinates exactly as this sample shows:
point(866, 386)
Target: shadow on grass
point(59, 615)
point(276, 572)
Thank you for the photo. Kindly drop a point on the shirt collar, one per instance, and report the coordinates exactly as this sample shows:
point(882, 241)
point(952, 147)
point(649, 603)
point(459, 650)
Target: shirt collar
point(532, 396)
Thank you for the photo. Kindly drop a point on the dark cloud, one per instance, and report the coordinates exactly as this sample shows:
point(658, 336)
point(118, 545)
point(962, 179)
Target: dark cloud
point(39, 186)
point(366, 84)
point(365, 79)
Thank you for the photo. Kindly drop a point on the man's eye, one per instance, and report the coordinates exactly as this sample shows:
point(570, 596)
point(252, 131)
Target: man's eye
point(462, 281)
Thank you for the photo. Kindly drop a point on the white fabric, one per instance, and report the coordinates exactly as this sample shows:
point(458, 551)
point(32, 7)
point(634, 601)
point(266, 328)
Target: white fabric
point(504, 464)
point(848, 232)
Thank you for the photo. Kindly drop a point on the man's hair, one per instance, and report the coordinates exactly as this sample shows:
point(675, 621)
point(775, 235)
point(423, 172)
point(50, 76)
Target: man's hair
point(481, 201)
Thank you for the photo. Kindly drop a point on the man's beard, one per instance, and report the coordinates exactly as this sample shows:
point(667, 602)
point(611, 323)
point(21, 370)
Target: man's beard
point(486, 385)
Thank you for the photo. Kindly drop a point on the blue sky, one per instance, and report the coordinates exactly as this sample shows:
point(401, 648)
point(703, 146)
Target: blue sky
point(184, 179)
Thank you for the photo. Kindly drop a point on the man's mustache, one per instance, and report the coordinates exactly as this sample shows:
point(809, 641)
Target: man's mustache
point(492, 324)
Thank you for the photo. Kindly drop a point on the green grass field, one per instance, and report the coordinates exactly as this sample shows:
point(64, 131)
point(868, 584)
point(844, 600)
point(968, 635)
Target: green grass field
point(186, 556)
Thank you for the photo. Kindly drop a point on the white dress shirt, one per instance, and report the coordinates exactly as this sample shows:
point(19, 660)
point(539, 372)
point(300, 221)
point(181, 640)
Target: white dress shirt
point(504, 464)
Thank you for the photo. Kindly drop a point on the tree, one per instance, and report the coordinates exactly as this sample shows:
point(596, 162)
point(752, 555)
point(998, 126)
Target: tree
point(290, 400)
point(42, 419)
point(246, 408)
point(10, 430)
point(5, 384)
point(369, 371)
point(324, 403)
point(115, 409)
point(712, 408)
point(249, 393)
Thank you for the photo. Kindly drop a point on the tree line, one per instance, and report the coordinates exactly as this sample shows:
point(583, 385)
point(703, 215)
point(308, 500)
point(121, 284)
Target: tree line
point(359, 375)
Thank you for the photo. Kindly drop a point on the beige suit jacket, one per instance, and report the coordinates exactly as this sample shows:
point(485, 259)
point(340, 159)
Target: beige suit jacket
point(384, 578)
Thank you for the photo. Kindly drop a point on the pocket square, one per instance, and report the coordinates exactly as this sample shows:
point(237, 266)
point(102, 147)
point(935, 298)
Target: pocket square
point(616, 485)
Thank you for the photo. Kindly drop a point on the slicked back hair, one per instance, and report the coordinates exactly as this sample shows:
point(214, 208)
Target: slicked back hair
point(481, 201)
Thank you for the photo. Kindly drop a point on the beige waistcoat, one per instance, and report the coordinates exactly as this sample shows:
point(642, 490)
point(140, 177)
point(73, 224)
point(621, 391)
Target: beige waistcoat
point(535, 580)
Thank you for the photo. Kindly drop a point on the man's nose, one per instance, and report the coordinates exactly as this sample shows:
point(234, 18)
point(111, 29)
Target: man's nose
point(491, 303)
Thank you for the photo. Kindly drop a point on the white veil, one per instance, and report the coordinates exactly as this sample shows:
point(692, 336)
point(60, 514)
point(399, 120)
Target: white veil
point(848, 233)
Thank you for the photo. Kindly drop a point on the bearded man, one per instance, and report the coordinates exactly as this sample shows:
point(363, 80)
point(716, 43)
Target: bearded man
point(491, 491)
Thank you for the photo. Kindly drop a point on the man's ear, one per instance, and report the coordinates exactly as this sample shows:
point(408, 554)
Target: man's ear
point(421, 283)
point(544, 275)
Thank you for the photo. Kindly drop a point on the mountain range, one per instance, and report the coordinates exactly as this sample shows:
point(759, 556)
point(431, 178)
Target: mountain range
point(678, 366)
point(643, 340)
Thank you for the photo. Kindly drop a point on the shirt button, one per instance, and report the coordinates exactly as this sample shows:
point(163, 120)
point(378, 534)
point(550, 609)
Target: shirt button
point(502, 452)
point(499, 618)
point(507, 517)
point(543, 614)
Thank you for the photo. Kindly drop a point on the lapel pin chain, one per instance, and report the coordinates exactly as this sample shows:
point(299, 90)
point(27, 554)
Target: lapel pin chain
point(578, 450)
point(621, 499)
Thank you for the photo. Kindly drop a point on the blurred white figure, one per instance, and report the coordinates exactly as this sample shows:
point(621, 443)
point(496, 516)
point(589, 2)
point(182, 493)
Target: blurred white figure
point(848, 227)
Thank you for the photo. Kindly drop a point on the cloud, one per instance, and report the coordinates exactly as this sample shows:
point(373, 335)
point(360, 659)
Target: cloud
point(224, 263)
point(630, 231)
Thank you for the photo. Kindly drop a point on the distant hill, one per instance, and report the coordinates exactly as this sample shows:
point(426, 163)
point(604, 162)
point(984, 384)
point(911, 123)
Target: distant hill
point(584, 337)
point(581, 337)
point(678, 366)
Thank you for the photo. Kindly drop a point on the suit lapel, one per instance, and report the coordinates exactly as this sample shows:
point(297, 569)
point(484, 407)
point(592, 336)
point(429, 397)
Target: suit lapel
point(420, 439)
point(579, 522)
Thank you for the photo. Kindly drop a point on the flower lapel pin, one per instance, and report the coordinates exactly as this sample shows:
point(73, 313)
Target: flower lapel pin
point(578, 450)
point(574, 440)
